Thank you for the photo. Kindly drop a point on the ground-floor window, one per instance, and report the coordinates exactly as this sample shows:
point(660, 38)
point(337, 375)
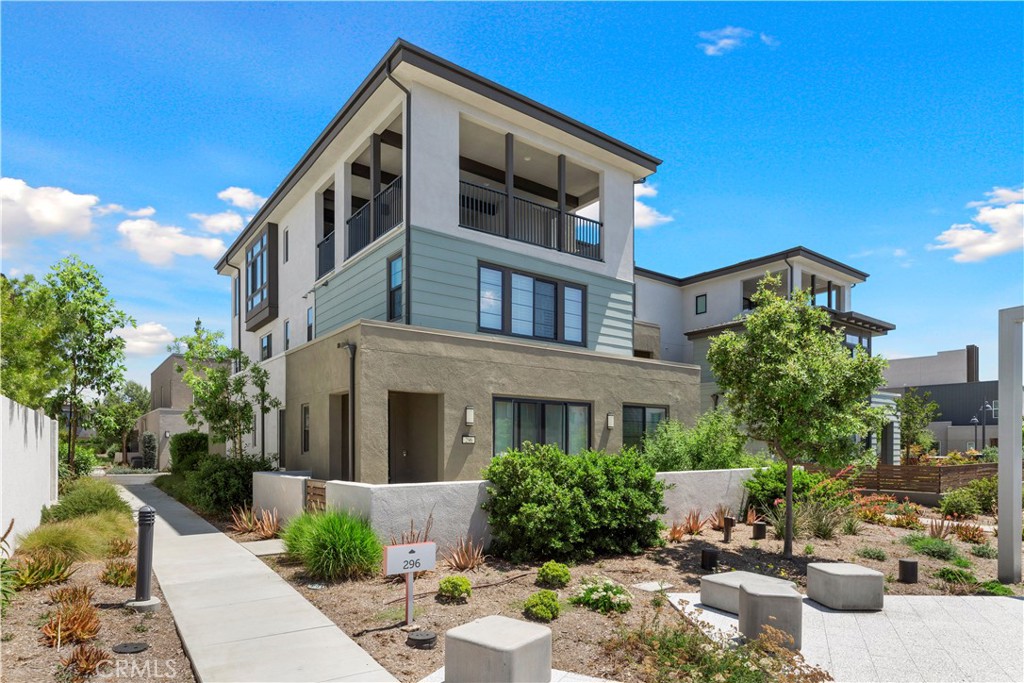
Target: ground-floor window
point(638, 421)
point(305, 427)
point(516, 421)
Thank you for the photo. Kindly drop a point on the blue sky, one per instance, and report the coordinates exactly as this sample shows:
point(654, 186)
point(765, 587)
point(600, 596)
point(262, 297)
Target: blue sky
point(863, 131)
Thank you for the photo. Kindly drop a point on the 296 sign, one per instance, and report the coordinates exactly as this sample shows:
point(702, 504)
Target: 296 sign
point(409, 557)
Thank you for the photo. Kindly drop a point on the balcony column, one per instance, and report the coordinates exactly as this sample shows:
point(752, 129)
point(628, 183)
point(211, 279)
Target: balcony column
point(561, 203)
point(830, 294)
point(510, 177)
point(814, 285)
point(374, 182)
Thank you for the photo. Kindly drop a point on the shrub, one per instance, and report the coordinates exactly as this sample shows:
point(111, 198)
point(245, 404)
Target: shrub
point(149, 449)
point(175, 486)
point(961, 562)
point(872, 553)
point(808, 549)
point(986, 492)
point(546, 504)
point(118, 572)
point(872, 508)
point(959, 503)
point(86, 496)
point(984, 551)
point(454, 589)
point(542, 606)
point(602, 595)
point(8, 583)
point(219, 484)
point(73, 623)
point(768, 485)
point(333, 545)
point(995, 588)
point(41, 569)
point(553, 575)
point(85, 461)
point(956, 575)
point(81, 538)
point(714, 443)
point(187, 449)
point(932, 547)
point(970, 533)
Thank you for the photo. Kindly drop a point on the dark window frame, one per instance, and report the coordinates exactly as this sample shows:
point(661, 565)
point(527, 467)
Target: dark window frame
point(284, 246)
point(644, 408)
point(304, 426)
point(506, 304)
point(267, 346)
point(261, 278)
point(541, 403)
point(287, 334)
point(395, 312)
point(310, 319)
point(700, 304)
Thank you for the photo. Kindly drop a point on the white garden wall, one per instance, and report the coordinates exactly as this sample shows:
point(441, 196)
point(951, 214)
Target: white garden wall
point(28, 466)
point(456, 505)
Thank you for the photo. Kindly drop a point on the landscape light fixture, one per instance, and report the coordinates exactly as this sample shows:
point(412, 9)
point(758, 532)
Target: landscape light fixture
point(974, 421)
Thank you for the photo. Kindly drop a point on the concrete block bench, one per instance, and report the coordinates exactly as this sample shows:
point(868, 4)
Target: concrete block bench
point(722, 591)
point(765, 604)
point(497, 649)
point(845, 586)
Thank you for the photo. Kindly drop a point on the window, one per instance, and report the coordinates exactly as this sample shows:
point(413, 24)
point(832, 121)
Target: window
point(287, 334)
point(535, 307)
point(305, 427)
point(639, 421)
point(284, 251)
point(702, 303)
point(266, 347)
point(256, 273)
point(235, 297)
point(309, 324)
point(995, 409)
point(516, 421)
point(395, 287)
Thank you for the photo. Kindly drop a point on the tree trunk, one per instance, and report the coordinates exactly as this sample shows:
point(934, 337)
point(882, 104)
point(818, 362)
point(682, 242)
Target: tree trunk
point(263, 432)
point(787, 548)
point(71, 429)
point(124, 448)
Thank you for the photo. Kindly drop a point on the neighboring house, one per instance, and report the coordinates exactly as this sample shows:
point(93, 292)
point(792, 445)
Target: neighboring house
point(958, 366)
point(169, 398)
point(689, 311)
point(446, 273)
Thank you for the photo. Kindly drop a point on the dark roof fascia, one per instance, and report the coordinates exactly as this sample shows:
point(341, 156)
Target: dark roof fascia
point(403, 51)
point(755, 262)
point(655, 275)
point(866, 321)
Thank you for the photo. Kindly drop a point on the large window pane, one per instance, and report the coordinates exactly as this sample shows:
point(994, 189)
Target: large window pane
point(653, 418)
point(579, 429)
point(573, 307)
point(490, 298)
point(529, 422)
point(632, 425)
point(522, 305)
point(554, 424)
point(544, 309)
point(503, 426)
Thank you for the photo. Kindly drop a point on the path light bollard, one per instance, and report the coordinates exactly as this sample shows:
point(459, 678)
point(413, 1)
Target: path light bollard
point(730, 522)
point(908, 571)
point(144, 601)
point(708, 558)
point(760, 530)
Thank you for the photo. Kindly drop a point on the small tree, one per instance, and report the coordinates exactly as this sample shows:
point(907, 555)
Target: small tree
point(149, 450)
point(30, 367)
point(788, 378)
point(916, 410)
point(116, 415)
point(225, 384)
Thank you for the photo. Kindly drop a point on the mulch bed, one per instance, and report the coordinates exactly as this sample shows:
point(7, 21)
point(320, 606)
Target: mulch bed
point(27, 660)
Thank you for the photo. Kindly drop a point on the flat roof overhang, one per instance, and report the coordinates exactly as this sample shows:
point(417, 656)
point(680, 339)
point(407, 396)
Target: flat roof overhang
point(873, 326)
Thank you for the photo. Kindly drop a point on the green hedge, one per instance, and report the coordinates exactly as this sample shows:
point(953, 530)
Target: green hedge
point(546, 504)
point(219, 484)
point(187, 449)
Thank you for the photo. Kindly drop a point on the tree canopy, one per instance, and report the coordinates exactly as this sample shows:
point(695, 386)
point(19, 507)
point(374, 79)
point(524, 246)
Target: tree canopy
point(916, 411)
point(790, 381)
point(115, 417)
point(30, 368)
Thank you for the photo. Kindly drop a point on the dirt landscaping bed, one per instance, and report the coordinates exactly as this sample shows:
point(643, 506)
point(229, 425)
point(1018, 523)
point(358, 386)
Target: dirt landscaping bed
point(27, 660)
point(371, 611)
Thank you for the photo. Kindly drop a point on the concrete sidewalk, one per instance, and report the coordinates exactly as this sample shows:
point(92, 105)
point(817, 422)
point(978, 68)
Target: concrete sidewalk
point(239, 620)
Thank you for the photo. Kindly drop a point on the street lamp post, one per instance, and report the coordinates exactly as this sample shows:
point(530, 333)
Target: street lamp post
point(985, 407)
point(974, 421)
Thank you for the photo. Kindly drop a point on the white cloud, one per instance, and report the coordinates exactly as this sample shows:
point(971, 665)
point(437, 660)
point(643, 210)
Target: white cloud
point(645, 216)
point(158, 244)
point(723, 40)
point(148, 339)
point(899, 253)
point(33, 211)
point(770, 41)
point(107, 209)
point(242, 197)
point(997, 228)
point(225, 221)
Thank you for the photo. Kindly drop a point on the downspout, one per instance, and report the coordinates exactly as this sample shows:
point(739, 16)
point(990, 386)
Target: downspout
point(351, 348)
point(790, 275)
point(237, 304)
point(407, 144)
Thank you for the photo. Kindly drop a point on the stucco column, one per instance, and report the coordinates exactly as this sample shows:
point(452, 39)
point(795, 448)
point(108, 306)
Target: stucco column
point(1011, 404)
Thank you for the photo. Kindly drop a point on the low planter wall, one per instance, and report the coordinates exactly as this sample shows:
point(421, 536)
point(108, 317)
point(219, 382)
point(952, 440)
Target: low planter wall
point(456, 505)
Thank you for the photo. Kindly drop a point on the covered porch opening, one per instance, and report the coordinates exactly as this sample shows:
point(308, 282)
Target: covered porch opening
point(415, 429)
point(338, 461)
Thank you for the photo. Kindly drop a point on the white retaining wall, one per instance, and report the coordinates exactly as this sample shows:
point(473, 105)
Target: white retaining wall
point(455, 505)
point(28, 467)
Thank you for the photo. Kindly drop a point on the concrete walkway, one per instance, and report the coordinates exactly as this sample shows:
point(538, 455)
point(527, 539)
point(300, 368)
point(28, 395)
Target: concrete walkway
point(239, 620)
point(916, 638)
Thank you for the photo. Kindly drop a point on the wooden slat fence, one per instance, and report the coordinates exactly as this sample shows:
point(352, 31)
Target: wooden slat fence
point(316, 494)
point(919, 478)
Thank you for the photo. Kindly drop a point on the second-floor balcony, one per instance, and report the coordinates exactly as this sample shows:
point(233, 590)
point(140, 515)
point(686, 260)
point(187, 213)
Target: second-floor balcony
point(487, 210)
point(325, 255)
point(375, 218)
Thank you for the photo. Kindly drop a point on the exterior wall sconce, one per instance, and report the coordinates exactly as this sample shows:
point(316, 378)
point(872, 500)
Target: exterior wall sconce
point(611, 421)
point(470, 416)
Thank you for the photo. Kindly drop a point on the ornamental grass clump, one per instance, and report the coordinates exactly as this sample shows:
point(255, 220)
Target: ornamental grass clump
point(603, 595)
point(333, 545)
point(80, 538)
point(86, 496)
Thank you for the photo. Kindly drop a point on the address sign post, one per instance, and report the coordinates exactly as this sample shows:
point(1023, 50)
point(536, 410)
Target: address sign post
point(409, 558)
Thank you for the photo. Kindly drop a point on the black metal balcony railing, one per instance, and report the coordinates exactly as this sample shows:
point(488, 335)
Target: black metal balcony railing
point(387, 214)
point(483, 208)
point(325, 256)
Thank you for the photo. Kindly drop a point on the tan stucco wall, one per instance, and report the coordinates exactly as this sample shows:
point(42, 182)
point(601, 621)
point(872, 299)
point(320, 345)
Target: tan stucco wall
point(165, 385)
point(647, 337)
point(465, 370)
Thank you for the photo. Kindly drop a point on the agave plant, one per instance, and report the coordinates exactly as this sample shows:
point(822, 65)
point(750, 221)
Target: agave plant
point(939, 528)
point(268, 525)
point(717, 518)
point(76, 623)
point(85, 661)
point(465, 556)
point(693, 524)
point(243, 520)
